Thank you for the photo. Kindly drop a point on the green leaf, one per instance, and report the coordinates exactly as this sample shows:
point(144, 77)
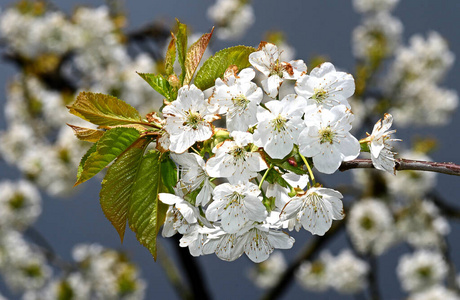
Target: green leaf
point(181, 45)
point(364, 146)
point(274, 176)
point(87, 134)
point(286, 166)
point(146, 213)
point(168, 175)
point(111, 144)
point(104, 110)
point(194, 55)
point(159, 83)
point(84, 158)
point(216, 65)
point(118, 184)
point(170, 56)
point(269, 203)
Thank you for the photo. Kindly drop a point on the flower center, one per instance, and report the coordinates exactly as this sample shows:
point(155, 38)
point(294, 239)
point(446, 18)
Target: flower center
point(32, 271)
point(238, 153)
point(234, 198)
point(277, 69)
point(424, 272)
point(193, 120)
point(326, 135)
point(367, 223)
point(314, 199)
point(319, 95)
point(17, 202)
point(240, 101)
point(278, 123)
point(317, 268)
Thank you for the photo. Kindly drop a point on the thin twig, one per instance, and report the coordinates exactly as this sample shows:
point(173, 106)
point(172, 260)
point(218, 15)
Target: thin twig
point(316, 244)
point(373, 278)
point(406, 164)
point(451, 271)
point(45, 247)
point(192, 271)
point(173, 274)
point(447, 209)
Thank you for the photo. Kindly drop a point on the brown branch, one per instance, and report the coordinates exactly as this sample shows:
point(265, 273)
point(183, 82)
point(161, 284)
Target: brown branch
point(406, 164)
point(173, 274)
point(192, 271)
point(373, 278)
point(311, 249)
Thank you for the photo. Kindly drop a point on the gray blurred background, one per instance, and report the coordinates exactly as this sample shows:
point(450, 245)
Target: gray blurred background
point(312, 27)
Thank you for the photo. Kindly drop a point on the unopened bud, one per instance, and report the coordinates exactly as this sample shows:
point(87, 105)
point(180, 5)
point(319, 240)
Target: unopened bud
point(292, 161)
point(174, 81)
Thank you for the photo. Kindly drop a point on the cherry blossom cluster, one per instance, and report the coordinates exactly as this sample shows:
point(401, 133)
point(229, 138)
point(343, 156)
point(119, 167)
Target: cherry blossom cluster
point(233, 195)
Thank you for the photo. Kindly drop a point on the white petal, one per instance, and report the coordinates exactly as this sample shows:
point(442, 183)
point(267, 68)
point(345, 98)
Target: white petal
point(298, 67)
point(169, 199)
point(328, 161)
point(280, 240)
point(349, 147)
point(291, 208)
point(247, 74)
point(229, 248)
point(322, 70)
point(317, 219)
point(271, 85)
point(187, 210)
point(264, 59)
point(256, 246)
point(255, 210)
point(204, 195)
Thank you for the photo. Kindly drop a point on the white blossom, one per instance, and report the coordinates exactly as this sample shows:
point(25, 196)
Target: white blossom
point(195, 238)
point(281, 193)
point(326, 137)
point(267, 273)
point(226, 246)
point(432, 54)
point(415, 85)
point(279, 127)
point(236, 205)
point(314, 210)
point(188, 119)
point(437, 292)
point(325, 86)
point(381, 154)
point(194, 176)
point(374, 6)
point(421, 225)
point(260, 240)
point(237, 97)
point(108, 272)
point(421, 270)
point(347, 273)
point(180, 217)
point(20, 204)
point(378, 36)
point(315, 275)
point(257, 241)
point(232, 17)
point(370, 226)
point(267, 60)
point(22, 266)
point(415, 104)
point(233, 160)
